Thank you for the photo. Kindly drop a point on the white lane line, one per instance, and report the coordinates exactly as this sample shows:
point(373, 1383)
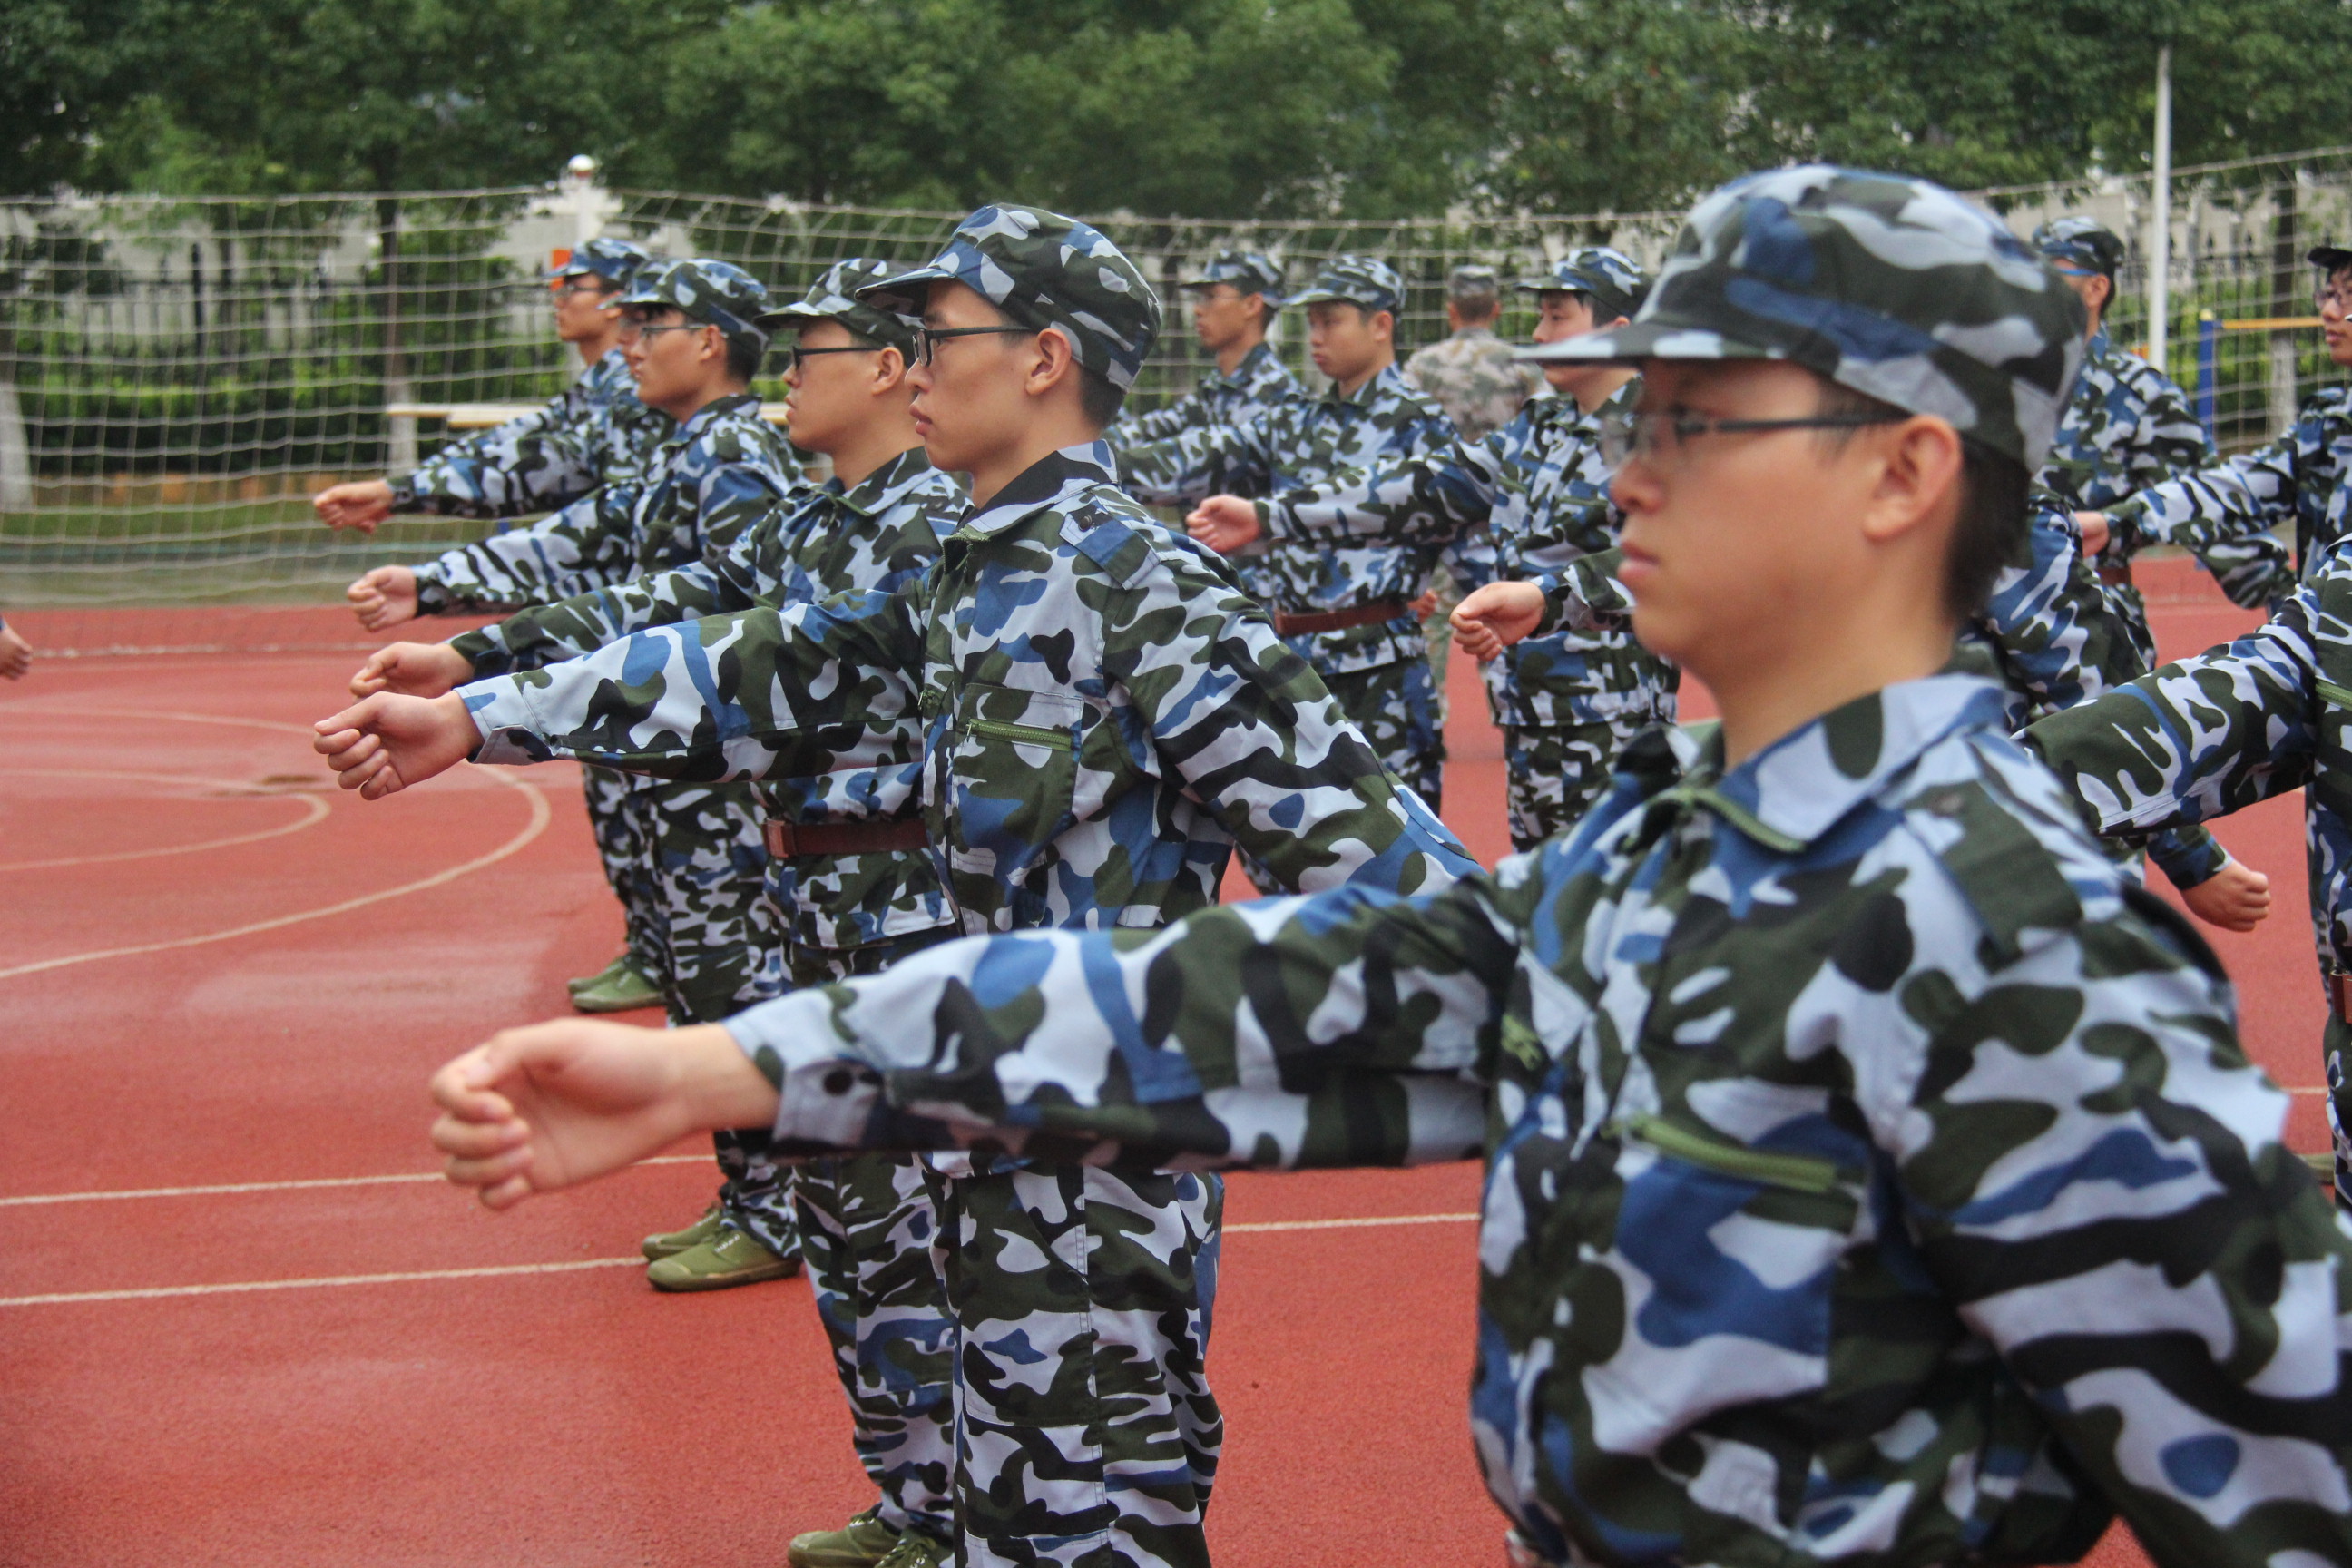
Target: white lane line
point(114, 1194)
point(316, 812)
point(540, 816)
point(151, 1293)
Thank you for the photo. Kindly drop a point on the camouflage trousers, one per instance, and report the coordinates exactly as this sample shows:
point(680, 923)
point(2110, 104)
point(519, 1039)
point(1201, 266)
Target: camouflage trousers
point(1085, 1433)
point(1555, 772)
point(2335, 1047)
point(718, 947)
point(616, 816)
point(1437, 632)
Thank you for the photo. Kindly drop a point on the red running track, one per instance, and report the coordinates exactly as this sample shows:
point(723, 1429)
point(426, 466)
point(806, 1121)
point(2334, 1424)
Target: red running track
point(218, 971)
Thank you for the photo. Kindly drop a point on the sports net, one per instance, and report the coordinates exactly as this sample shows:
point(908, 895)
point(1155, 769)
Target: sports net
point(178, 376)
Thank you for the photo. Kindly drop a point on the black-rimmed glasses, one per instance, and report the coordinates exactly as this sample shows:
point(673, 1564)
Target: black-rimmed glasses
point(926, 338)
point(630, 331)
point(1660, 437)
point(793, 356)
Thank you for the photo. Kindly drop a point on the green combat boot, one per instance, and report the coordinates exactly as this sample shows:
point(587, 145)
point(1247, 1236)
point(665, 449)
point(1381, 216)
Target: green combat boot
point(621, 987)
point(729, 1258)
point(916, 1550)
point(670, 1243)
point(586, 981)
point(863, 1542)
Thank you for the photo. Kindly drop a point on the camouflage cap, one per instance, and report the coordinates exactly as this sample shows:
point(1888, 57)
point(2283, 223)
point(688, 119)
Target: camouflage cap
point(1613, 279)
point(616, 261)
point(1043, 270)
point(1473, 281)
point(1363, 280)
point(716, 293)
point(1890, 285)
point(833, 298)
point(2083, 241)
point(2329, 259)
point(1249, 271)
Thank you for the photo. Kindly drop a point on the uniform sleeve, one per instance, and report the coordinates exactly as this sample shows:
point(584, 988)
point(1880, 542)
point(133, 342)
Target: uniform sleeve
point(543, 635)
point(1194, 464)
point(1159, 425)
point(2202, 738)
point(1347, 1028)
point(2061, 639)
point(1585, 596)
point(1255, 736)
point(2155, 1268)
point(1432, 499)
point(2187, 856)
point(2250, 494)
point(768, 693)
point(586, 545)
point(542, 461)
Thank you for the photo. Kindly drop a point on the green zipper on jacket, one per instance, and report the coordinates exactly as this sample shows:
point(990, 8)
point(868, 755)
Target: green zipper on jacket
point(1023, 734)
point(1798, 1172)
point(2336, 694)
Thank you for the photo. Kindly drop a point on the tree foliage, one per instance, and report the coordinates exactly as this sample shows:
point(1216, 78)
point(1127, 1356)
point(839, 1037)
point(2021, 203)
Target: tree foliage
point(1209, 107)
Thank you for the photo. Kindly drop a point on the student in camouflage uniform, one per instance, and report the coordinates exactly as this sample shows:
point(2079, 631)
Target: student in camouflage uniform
point(2128, 427)
point(593, 433)
point(1235, 300)
point(2298, 478)
point(1104, 717)
point(1344, 607)
point(1873, 1175)
point(1518, 502)
point(849, 872)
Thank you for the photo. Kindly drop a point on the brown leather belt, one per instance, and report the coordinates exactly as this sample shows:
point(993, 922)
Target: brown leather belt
point(1340, 620)
point(2339, 993)
point(2115, 574)
point(788, 841)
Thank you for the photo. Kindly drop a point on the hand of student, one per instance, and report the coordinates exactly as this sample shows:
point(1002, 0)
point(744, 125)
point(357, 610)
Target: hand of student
point(383, 598)
point(2095, 532)
point(561, 1103)
point(1425, 606)
point(413, 670)
point(361, 504)
point(387, 742)
point(1492, 618)
point(1224, 523)
point(2235, 898)
point(15, 655)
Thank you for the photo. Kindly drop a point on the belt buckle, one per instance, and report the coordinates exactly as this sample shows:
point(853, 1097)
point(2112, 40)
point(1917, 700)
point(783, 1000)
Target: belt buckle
point(778, 835)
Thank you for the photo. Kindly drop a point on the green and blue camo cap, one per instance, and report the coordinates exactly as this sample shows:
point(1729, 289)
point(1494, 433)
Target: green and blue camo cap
point(1473, 280)
point(1614, 281)
point(1249, 271)
point(1363, 280)
point(1045, 273)
point(616, 261)
point(1889, 285)
point(834, 298)
point(2082, 242)
point(716, 293)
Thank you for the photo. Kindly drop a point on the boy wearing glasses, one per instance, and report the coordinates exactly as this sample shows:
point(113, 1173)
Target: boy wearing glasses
point(1522, 500)
point(1104, 717)
point(1874, 1177)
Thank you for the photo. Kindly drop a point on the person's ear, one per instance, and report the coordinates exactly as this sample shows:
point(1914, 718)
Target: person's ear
point(1054, 363)
point(1383, 324)
point(713, 345)
point(889, 372)
point(2102, 289)
point(1920, 469)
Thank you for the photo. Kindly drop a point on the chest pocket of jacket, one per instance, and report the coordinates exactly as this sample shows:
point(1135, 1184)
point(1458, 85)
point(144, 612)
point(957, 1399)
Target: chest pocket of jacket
point(1012, 772)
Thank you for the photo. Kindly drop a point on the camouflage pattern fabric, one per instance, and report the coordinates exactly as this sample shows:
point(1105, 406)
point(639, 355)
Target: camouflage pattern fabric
point(1554, 773)
point(1249, 271)
point(1396, 707)
point(616, 816)
point(2298, 478)
point(1613, 281)
point(2202, 737)
point(704, 289)
point(1477, 379)
point(1087, 1435)
point(595, 433)
point(1892, 285)
point(2127, 427)
point(834, 298)
point(1047, 272)
point(881, 536)
point(1308, 441)
point(1364, 281)
point(1102, 716)
point(1816, 1226)
point(723, 470)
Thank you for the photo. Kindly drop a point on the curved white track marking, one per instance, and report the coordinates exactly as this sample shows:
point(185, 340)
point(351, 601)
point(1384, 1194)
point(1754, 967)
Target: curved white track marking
point(540, 817)
point(316, 813)
point(109, 1194)
point(153, 1292)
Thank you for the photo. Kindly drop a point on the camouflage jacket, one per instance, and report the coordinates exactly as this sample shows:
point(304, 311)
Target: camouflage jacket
point(1513, 505)
point(2298, 478)
point(880, 536)
point(1257, 384)
point(1874, 1177)
point(2264, 716)
point(595, 433)
point(1476, 380)
point(1306, 440)
point(2127, 427)
point(723, 470)
point(1102, 716)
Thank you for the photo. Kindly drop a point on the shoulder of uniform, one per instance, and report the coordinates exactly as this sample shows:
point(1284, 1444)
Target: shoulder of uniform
point(2009, 845)
point(1126, 544)
point(2329, 403)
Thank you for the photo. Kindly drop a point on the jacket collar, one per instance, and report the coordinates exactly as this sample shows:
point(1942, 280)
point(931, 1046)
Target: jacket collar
point(886, 487)
point(1386, 385)
point(1053, 480)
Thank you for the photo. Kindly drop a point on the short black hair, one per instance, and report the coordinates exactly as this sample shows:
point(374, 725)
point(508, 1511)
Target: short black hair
point(743, 357)
point(1099, 398)
point(1991, 533)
